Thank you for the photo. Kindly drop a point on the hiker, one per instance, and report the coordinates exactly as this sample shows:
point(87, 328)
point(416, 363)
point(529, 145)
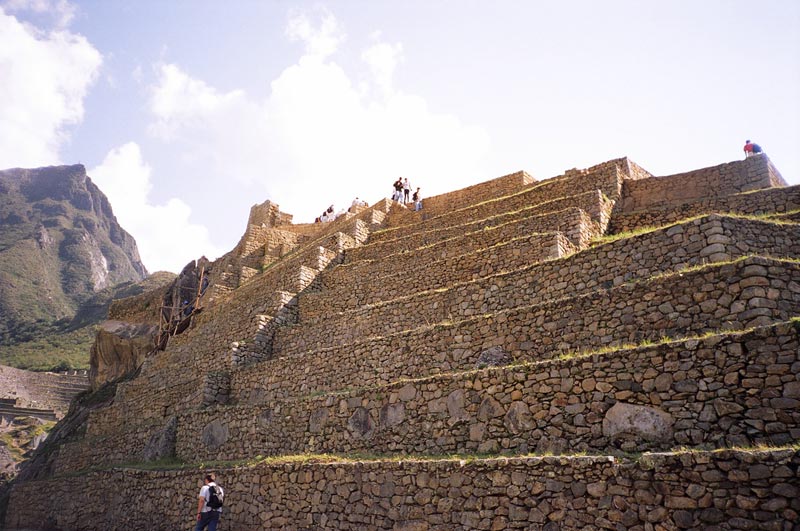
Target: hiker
point(327, 215)
point(751, 149)
point(398, 190)
point(417, 200)
point(406, 190)
point(209, 504)
point(357, 203)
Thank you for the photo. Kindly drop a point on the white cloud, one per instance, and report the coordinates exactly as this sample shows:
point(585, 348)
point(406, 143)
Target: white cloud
point(182, 102)
point(382, 59)
point(45, 78)
point(166, 238)
point(317, 138)
point(320, 41)
point(61, 12)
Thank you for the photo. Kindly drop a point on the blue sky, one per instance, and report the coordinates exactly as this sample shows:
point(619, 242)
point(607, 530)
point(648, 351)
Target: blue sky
point(187, 113)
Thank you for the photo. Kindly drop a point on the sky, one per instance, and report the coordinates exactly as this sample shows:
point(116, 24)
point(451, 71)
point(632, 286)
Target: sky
point(187, 113)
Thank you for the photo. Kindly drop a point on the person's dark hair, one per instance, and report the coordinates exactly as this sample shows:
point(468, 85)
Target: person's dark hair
point(209, 477)
point(746, 141)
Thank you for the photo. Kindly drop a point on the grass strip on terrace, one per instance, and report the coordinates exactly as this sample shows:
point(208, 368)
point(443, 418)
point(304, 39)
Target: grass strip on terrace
point(647, 459)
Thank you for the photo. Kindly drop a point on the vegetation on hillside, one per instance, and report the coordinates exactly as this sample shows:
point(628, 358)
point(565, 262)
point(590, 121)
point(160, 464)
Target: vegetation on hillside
point(59, 245)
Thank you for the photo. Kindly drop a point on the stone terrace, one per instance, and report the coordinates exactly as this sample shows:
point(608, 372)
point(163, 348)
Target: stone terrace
point(510, 318)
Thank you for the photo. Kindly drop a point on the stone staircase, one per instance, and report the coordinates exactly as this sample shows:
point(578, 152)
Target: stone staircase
point(600, 350)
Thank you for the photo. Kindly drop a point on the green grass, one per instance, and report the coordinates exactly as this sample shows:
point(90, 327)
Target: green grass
point(309, 458)
point(53, 351)
point(21, 432)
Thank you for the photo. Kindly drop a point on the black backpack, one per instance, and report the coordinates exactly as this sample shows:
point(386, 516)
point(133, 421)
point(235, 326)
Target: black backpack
point(214, 500)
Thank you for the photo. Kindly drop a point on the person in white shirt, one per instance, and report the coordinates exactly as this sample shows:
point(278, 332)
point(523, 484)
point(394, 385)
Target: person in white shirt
point(206, 516)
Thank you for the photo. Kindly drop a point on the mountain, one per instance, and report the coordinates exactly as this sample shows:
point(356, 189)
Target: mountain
point(60, 247)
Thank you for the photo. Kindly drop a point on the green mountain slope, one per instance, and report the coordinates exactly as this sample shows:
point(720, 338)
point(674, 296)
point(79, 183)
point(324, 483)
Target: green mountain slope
point(60, 247)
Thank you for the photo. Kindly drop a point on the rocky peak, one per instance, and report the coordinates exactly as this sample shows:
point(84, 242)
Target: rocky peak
point(59, 244)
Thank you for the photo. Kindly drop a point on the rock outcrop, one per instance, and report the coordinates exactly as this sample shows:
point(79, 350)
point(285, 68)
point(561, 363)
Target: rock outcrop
point(119, 350)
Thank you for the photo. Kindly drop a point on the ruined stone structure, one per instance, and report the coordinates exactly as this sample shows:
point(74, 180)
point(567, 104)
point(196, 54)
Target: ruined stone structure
point(604, 349)
point(40, 394)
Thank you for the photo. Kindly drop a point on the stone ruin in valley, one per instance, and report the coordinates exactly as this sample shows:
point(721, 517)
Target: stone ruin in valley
point(604, 349)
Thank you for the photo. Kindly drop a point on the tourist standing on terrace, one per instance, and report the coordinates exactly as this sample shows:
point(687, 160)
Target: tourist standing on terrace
point(398, 190)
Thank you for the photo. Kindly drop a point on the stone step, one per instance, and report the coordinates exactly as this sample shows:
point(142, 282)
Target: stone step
point(748, 292)
point(728, 489)
point(759, 202)
point(234, 332)
point(724, 390)
point(408, 237)
point(607, 177)
point(608, 264)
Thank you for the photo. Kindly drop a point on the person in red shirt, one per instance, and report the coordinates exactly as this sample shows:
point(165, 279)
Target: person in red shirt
point(751, 149)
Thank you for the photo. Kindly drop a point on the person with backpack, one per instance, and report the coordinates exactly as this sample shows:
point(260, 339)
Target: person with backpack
point(209, 504)
point(751, 148)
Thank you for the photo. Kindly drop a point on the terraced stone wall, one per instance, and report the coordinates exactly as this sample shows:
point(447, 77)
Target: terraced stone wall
point(466, 196)
point(39, 390)
point(426, 234)
point(746, 293)
point(731, 178)
point(733, 390)
point(714, 237)
point(144, 308)
point(262, 245)
point(745, 490)
point(774, 200)
point(606, 177)
point(706, 239)
point(224, 334)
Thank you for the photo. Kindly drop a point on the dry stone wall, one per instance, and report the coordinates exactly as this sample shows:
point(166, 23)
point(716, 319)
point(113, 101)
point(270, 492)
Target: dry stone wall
point(606, 177)
point(237, 332)
point(723, 390)
point(776, 200)
point(708, 239)
point(573, 223)
point(500, 186)
point(401, 313)
point(41, 390)
point(746, 293)
point(753, 173)
point(459, 222)
point(729, 489)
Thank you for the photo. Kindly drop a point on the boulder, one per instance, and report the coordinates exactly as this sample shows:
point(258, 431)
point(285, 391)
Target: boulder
point(119, 350)
point(644, 422)
point(494, 357)
point(162, 442)
point(215, 434)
